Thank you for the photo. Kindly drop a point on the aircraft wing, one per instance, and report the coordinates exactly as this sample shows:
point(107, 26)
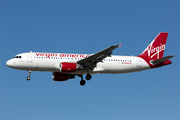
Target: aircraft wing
point(93, 59)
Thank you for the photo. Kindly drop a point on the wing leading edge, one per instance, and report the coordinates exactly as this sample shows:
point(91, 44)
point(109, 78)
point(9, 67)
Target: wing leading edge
point(93, 59)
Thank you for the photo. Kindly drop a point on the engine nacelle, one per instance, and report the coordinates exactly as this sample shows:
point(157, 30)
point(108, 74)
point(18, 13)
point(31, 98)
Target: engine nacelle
point(68, 67)
point(62, 77)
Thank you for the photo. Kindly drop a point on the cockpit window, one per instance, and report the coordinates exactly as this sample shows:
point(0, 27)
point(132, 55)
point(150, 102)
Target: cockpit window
point(17, 57)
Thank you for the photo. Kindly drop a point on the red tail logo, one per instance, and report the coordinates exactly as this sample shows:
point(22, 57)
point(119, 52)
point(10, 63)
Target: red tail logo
point(156, 48)
point(153, 51)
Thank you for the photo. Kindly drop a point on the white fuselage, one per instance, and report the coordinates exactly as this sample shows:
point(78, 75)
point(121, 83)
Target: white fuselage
point(66, 66)
point(35, 61)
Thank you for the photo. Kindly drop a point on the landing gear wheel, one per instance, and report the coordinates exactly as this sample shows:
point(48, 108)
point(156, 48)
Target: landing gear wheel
point(28, 78)
point(88, 77)
point(82, 82)
point(29, 73)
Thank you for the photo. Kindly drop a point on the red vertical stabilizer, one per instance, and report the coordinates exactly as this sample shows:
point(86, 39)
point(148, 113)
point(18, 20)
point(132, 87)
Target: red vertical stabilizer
point(156, 48)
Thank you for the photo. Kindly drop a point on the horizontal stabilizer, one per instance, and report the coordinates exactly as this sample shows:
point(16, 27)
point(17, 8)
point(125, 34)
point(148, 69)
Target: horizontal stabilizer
point(162, 59)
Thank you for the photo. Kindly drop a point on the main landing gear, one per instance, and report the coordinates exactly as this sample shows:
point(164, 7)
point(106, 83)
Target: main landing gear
point(88, 77)
point(29, 73)
point(83, 82)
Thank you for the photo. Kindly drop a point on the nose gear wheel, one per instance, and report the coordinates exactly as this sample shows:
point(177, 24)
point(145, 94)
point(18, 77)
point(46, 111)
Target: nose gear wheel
point(29, 73)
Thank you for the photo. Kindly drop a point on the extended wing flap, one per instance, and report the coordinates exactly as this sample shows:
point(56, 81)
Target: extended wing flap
point(162, 59)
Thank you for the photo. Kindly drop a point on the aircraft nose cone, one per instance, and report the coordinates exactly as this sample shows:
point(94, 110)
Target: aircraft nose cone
point(9, 63)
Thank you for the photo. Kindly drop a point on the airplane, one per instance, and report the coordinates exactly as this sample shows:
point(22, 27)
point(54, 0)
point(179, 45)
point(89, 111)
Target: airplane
point(66, 66)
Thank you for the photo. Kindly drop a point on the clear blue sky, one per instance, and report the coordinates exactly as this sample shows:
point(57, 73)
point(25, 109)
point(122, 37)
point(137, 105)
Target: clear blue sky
point(88, 26)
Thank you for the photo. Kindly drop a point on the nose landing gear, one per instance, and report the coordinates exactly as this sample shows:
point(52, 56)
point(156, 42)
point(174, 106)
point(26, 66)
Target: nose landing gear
point(29, 73)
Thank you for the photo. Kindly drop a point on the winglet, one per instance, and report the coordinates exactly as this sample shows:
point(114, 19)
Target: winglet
point(120, 45)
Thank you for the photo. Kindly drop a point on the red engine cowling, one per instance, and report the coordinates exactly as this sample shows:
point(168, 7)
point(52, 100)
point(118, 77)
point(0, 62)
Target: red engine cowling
point(62, 77)
point(68, 67)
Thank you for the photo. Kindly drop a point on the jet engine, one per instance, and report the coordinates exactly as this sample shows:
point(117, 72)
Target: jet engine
point(68, 67)
point(62, 77)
